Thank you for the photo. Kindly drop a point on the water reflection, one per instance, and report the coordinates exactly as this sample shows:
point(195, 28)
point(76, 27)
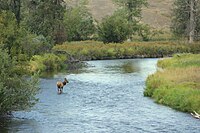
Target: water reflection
point(13, 125)
point(4, 124)
point(125, 67)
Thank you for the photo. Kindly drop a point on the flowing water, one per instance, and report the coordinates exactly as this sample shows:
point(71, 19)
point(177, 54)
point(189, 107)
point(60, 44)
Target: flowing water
point(105, 97)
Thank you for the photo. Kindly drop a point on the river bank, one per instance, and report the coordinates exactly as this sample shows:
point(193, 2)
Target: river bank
point(106, 97)
point(71, 53)
point(178, 83)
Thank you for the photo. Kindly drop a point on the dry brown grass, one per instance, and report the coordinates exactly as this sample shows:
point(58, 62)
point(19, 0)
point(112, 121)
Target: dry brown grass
point(157, 14)
point(182, 75)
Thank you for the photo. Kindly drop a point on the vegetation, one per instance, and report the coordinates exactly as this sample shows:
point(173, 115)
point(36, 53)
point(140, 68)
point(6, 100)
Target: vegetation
point(91, 50)
point(178, 83)
point(79, 24)
point(114, 29)
point(38, 35)
point(185, 22)
point(47, 62)
point(16, 91)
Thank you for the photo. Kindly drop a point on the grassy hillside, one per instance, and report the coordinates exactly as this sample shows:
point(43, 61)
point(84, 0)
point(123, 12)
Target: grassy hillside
point(157, 14)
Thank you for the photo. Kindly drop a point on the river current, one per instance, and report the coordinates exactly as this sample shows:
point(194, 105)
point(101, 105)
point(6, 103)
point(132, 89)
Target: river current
point(105, 97)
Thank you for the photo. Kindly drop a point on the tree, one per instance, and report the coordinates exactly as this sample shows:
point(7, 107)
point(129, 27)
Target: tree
point(9, 30)
point(133, 12)
point(114, 28)
point(45, 17)
point(14, 6)
point(16, 91)
point(79, 24)
point(133, 8)
point(186, 15)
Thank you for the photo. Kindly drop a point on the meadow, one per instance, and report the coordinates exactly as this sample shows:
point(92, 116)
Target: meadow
point(176, 83)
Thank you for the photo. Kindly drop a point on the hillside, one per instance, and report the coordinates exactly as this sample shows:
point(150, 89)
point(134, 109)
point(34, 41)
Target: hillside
point(157, 14)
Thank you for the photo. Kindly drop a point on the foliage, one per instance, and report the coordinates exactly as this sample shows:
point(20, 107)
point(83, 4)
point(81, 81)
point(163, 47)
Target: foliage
point(133, 8)
point(9, 30)
point(45, 17)
point(32, 44)
point(18, 40)
point(177, 85)
point(16, 92)
point(13, 6)
point(133, 13)
point(79, 24)
point(46, 62)
point(114, 29)
point(181, 18)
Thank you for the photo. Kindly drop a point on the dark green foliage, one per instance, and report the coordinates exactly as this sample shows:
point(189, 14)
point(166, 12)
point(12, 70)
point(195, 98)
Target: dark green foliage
point(9, 30)
point(17, 40)
point(114, 29)
point(79, 24)
point(16, 92)
point(181, 19)
point(45, 17)
point(132, 12)
point(13, 6)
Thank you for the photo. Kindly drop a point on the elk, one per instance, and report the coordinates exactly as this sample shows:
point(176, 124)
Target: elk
point(60, 85)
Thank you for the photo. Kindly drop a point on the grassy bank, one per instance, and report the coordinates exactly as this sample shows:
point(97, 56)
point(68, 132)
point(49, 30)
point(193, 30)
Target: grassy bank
point(67, 55)
point(178, 83)
point(92, 50)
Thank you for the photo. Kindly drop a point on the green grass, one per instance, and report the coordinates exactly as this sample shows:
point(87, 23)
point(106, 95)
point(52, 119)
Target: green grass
point(178, 84)
point(93, 50)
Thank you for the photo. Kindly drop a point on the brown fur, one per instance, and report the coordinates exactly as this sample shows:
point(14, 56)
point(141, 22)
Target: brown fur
point(60, 85)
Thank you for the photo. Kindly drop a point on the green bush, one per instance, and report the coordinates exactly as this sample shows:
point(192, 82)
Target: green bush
point(16, 91)
point(79, 24)
point(47, 62)
point(114, 29)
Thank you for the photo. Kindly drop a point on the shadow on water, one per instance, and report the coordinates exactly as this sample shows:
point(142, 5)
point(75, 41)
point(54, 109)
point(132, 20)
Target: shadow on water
point(13, 125)
point(4, 124)
point(125, 67)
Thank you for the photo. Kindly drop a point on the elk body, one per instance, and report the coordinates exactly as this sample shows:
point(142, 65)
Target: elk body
point(60, 85)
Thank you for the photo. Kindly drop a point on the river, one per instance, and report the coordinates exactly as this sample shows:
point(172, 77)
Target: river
point(105, 97)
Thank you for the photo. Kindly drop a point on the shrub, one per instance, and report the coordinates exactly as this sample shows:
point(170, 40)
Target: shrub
point(47, 62)
point(114, 29)
point(16, 91)
point(79, 24)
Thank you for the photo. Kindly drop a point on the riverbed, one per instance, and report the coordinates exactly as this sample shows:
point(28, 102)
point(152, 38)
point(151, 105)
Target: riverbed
point(105, 97)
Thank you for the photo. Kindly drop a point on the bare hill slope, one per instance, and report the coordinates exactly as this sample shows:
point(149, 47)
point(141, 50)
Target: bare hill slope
point(157, 14)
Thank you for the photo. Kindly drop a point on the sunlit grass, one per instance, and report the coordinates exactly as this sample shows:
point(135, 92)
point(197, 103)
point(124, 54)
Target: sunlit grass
point(92, 50)
point(178, 84)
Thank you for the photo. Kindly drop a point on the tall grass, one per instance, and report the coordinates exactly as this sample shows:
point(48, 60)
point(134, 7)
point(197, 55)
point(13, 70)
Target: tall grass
point(93, 50)
point(178, 84)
